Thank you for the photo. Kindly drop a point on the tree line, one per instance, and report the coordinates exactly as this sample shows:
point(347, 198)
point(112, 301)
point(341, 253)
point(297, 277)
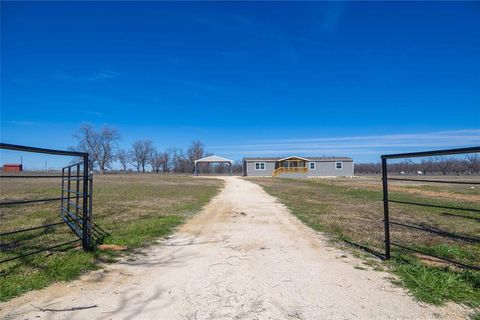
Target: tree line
point(143, 156)
point(469, 165)
point(102, 146)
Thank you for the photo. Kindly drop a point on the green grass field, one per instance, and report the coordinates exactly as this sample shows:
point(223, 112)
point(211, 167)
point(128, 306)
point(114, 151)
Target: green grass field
point(350, 210)
point(134, 209)
point(137, 209)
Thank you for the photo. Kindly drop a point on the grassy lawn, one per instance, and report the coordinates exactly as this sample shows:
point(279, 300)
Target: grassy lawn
point(351, 210)
point(134, 209)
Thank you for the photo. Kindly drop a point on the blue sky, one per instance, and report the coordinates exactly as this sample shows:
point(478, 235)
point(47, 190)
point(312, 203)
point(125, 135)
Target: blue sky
point(248, 79)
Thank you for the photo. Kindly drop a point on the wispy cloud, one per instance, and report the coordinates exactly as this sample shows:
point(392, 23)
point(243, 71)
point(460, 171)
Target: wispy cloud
point(107, 74)
point(97, 76)
point(95, 113)
point(358, 145)
point(276, 41)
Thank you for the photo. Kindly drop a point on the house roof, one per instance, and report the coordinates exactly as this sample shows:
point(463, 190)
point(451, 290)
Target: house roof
point(306, 158)
point(296, 157)
point(214, 159)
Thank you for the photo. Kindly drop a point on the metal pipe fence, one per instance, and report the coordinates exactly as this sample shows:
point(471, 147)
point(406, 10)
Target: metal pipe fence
point(75, 204)
point(441, 233)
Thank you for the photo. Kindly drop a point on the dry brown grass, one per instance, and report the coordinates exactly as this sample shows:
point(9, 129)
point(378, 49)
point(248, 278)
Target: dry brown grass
point(117, 198)
point(132, 208)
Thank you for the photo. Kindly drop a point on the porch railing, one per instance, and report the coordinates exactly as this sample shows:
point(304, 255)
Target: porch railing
point(280, 170)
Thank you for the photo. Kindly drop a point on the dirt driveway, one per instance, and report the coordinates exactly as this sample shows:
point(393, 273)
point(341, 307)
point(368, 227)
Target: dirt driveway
point(244, 257)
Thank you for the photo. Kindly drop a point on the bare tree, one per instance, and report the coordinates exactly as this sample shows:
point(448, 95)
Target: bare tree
point(124, 158)
point(100, 145)
point(156, 160)
point(444, 165)
point(237, 167)
point(174, 158)
point(459, 166)
point(473, 161)
point(368, 168)
point(221, 168)
point(166, 162)
point(141, 151)
point(195, 152)
point(426, 166)
point(440, 165)
point(179, 162)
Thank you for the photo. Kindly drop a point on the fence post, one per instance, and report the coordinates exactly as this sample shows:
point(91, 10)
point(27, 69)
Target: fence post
point(86, 234)
point(386, 218)
point(90, 204)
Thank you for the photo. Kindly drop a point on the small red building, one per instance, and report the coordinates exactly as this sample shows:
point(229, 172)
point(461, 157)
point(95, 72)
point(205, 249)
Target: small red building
point(12, 167)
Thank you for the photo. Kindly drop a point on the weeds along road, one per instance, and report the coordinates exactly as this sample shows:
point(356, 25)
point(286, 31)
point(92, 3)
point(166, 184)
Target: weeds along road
point(243, 257)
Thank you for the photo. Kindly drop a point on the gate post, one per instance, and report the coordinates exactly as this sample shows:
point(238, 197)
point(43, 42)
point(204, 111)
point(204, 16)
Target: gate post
point(90, 203)
point(86, 225)
point(386, 218)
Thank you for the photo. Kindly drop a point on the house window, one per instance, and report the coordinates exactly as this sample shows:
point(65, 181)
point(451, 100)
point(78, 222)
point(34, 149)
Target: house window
point(338, 165)
point(259, 165)
point(311, 165)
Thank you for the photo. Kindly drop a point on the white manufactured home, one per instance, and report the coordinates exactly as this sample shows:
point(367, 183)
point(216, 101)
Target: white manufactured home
point(298, 167)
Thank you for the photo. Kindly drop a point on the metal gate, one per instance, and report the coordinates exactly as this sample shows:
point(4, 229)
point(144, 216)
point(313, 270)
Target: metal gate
point(76, 203)
point(75, 198)
point(386, 201)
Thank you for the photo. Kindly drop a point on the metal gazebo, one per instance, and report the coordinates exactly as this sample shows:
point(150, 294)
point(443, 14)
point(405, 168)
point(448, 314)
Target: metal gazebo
point(213, 159)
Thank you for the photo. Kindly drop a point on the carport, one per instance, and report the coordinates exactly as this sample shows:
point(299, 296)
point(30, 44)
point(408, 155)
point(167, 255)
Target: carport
point(213, 159)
